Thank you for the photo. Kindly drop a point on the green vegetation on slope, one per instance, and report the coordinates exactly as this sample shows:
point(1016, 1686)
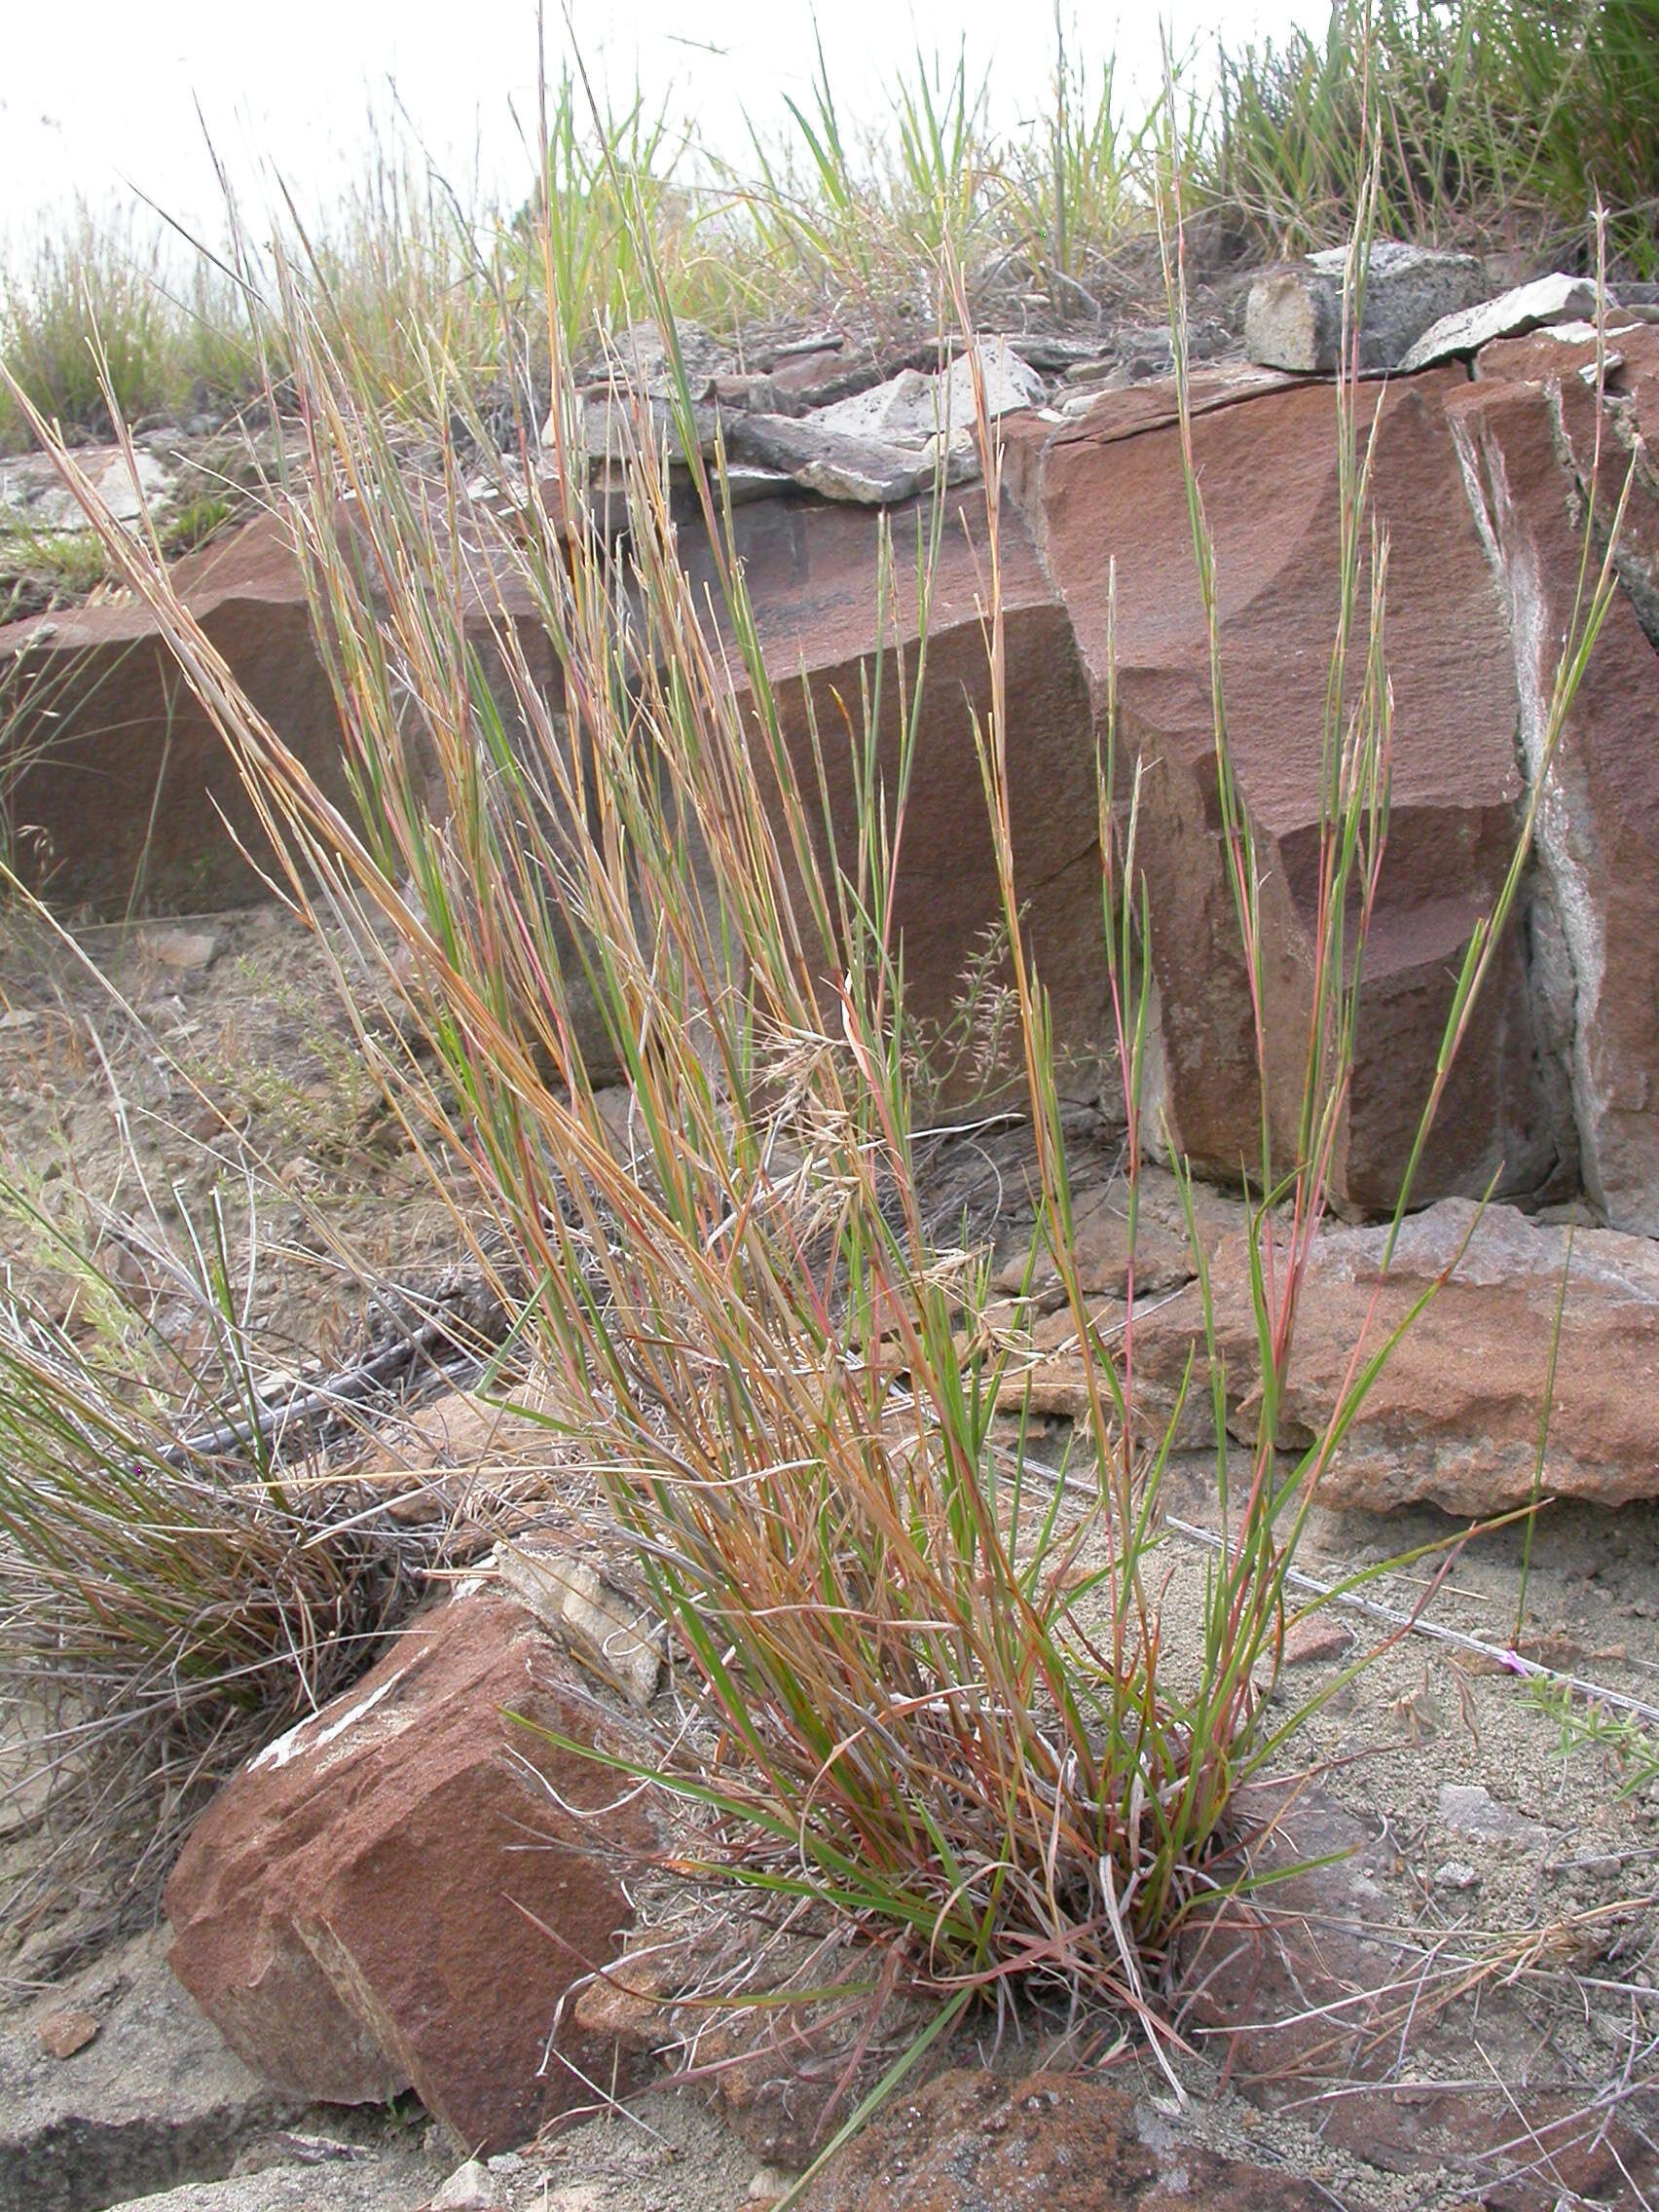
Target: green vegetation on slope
point(1500, 122)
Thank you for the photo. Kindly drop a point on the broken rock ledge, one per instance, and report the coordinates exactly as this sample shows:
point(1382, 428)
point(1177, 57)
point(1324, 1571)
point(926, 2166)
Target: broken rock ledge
point(1478, 483)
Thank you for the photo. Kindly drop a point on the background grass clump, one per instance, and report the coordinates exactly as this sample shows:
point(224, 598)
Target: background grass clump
point(1497, 124)
point(181, 1573)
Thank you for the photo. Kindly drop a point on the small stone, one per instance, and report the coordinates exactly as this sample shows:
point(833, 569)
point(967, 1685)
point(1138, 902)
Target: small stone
point(768, 2182)
point(185, 951)
point(1456, 1874)
point(471, 2188)
point(1471, 1809)
point(599, 1623)
point(615, 425)
point(915, 410)
point(1315, 1642)
point(64, 2034)
point(800, 382)
point(828, 461)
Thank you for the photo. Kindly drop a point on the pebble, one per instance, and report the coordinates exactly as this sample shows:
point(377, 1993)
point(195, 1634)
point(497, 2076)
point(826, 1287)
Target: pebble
point(185, 951)
point(471, 2188)
point(768, 2184)
point(1471, 1809)
point(64, 2034)
point(1456, 1874)
point(1316, 1641)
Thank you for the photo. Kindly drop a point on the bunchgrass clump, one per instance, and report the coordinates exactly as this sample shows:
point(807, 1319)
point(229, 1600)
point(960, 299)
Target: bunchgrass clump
point(96, 272)
point(180, 1575)
point(752, 1328)
point(1495, 122)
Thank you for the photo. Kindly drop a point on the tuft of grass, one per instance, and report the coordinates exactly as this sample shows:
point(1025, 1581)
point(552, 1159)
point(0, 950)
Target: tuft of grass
point(1082, 179)
point(96, 272)
point(870, 218)
point(1496, 120)
point(68, 562)
point(178, 1579)
point(938, 1703)
point(194, 525)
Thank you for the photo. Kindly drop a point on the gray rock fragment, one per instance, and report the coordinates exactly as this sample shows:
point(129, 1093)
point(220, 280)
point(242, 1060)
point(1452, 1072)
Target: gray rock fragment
point(471, 2188)
point(880, 446)
point(1294, 316)
point(1471, 1809)
point(827, 462)
point(615, 422)
point(639, 358)
point(1456, 1874)
point(600, 1622)
point(156, 2095)
point(912, 409)
point(1528, 307)
point(378, 2186)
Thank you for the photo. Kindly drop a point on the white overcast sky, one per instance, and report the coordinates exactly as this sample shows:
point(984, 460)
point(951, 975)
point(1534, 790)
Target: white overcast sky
point(101, 98)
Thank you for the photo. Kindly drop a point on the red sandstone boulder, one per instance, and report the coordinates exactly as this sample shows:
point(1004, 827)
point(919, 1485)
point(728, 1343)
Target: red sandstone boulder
point(393, 1896)
point(1111, 486)
point(1479, 485)
point(127, 786)
point(812, 577)
point(129, 797)
point(1595, 915)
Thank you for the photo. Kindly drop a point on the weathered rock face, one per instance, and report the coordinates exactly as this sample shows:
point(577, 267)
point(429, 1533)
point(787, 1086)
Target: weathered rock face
point(811, 577)
point(129, 797)
point(1071, 2142)
point(1595, 921)
point(1480, 485)
point(1452, 1418)
point(1528, 307)
point(387, 1898)
point(1111, 488)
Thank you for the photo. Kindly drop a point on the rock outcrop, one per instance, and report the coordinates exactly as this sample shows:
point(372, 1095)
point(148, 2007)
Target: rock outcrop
point(398, 1893)
point(1111, 488)
point(126, 789)
point(810, 571)
point(1595, 917)
point(1293, 318)
point(1481, 484)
